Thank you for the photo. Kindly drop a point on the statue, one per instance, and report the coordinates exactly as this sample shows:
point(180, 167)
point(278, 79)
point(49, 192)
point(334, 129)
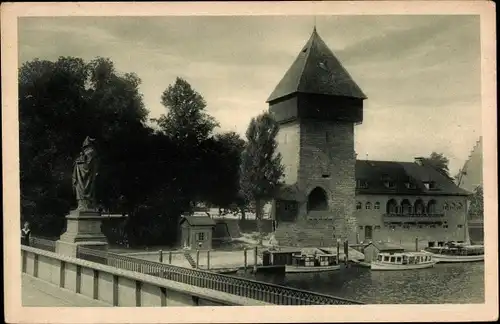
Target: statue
point(84, 176)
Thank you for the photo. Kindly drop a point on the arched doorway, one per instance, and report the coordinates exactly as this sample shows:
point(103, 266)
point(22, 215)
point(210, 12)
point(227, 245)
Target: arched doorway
point(317, 200)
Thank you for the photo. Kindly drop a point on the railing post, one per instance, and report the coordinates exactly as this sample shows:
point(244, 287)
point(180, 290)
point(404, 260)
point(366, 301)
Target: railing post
point(170, 257)
point(245, 256)
point(62, 274)
point(24, 255)
point(416, 244)
point(35, 265)
point(255, 260)
point(208, 259)
point(161, 256)
point(96, 284)
point(197, 259)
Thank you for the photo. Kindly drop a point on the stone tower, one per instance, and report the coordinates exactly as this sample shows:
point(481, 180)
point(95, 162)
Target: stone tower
point(317, 105)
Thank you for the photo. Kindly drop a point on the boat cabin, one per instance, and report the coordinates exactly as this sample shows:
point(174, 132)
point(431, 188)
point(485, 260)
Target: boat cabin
point(297, 257)
point(371, 250)
point(404, 258)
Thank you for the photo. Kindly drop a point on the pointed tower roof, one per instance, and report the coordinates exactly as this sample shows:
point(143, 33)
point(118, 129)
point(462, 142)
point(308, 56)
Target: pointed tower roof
point(316, 70)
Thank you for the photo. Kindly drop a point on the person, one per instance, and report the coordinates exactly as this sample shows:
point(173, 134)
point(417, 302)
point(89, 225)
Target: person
point(25, 234)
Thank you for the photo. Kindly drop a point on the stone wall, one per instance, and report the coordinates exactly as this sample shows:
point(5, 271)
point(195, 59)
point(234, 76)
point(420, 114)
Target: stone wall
point(288, 140)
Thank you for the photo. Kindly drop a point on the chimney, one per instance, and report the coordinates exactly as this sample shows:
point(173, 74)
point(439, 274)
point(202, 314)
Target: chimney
point(419, 160)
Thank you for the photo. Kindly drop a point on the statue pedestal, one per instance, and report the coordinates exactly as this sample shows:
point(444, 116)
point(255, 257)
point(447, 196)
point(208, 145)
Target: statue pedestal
point(83, 229)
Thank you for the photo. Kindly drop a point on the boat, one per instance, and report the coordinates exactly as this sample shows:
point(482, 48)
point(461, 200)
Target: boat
point(456, 252)
point(303, 263)
point(305, 260)
point(402, 261)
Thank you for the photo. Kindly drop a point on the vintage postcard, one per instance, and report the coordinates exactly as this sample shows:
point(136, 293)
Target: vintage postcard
point(338, 158)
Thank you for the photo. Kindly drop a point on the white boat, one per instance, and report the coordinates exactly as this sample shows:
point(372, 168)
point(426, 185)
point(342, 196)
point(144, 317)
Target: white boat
point(402, 261)
point(304, 269)
point(456, 252)
point(302, 263)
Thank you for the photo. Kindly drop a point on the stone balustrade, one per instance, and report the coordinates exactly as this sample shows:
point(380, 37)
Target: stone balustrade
point(119, 287)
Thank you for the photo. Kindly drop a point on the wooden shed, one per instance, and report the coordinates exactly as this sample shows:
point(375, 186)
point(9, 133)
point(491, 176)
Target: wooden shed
point(196, 232)
point(372, 249)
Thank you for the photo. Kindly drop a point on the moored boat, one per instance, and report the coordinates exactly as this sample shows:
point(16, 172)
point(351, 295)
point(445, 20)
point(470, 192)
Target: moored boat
point(302, 260)
point(402, 261)
point(314, 262)
point(456, 252)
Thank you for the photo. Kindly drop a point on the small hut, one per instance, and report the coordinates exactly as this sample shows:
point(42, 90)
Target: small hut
point(372, 249)
point(196, 232)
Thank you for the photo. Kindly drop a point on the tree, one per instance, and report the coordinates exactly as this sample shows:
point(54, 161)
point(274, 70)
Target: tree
point(222, 169)
point(261, 168)
point(189, 126)
point(476, 203)
point(60, 103)
point(439, 162)
point(186, 120)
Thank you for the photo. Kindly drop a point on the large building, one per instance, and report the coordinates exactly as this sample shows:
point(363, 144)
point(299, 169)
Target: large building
point(328, 194)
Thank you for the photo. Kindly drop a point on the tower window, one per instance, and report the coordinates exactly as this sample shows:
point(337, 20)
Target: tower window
point(358, 205)
point(377, 205)
point(368, 205)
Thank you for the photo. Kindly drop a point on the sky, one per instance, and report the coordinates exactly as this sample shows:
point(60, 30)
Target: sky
point(421, 74)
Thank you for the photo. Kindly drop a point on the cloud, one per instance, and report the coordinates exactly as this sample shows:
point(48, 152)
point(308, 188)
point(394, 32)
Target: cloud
point(421, 73)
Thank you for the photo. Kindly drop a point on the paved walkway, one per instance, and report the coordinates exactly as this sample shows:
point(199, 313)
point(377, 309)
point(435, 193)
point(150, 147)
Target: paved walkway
point(38, 293)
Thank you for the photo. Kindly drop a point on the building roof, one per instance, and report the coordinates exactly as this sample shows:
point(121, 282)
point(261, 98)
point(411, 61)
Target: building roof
point(471, 174)
point(316, 70)
point(386, 246)
point(198, 220)
point(377, 173)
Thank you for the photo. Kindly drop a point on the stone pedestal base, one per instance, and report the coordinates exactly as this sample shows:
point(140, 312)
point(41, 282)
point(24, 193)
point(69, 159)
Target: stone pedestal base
point(83, 229)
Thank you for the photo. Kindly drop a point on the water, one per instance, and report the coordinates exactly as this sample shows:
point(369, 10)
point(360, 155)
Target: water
point(443, 284)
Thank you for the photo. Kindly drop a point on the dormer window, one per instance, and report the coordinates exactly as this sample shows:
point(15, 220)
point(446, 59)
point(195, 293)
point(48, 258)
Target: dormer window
point(410, 185)
point(390, 184)
point(361, 184)
point(430, 185)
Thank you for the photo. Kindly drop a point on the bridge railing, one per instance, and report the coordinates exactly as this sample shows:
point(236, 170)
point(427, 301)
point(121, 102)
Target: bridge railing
point(43, 243)
point(262, 291)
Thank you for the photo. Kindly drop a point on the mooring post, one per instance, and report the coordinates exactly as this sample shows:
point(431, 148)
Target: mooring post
point(197, 259)
point(170, 257)
point(161, 256)
point(208, 259)
point(255, 260)
point(338, 251)
point(416, 244)
point(346, 252)
point(245, 258)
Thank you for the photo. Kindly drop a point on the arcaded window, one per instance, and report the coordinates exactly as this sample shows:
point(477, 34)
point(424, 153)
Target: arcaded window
point(359, 205)
point(419, 207)
point(406, 207)
point(317, 200)
point(368, 205)
point(431, 206)
point(391, 206)
point(376, 206)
